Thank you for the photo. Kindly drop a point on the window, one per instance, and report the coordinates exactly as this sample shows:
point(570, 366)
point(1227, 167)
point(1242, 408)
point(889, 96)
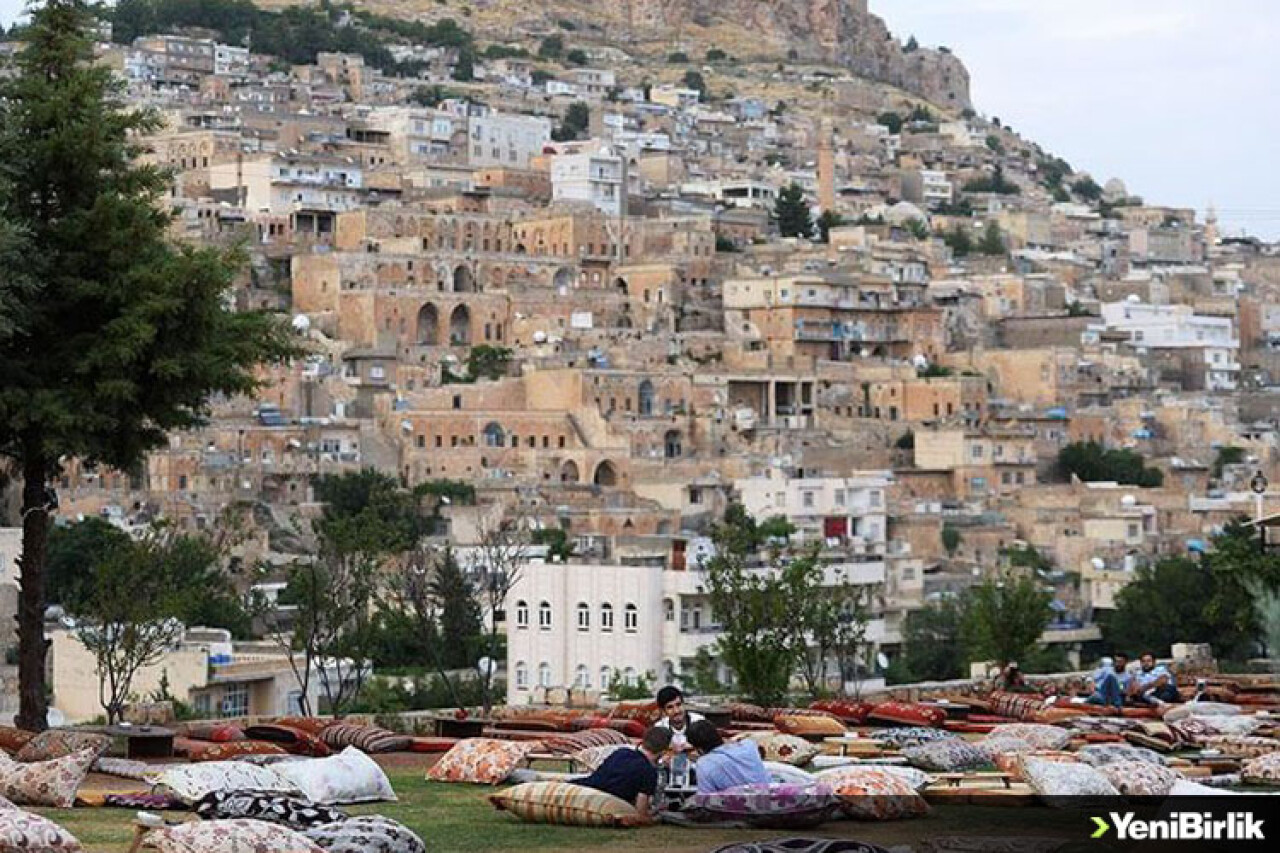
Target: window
point(604, 678)
point(584, 616)
point(582, 677)
point(808, 500)
point(522, 614)
point(976, 451)
point(1133, 531)
point(629, 676)
point(876, 498)
point(235, 701)
point(544, 674)
point(606, 617)
point(669, 610)
point(522, 676)
point(544, 616)
point(631, 618)
point(839, 497)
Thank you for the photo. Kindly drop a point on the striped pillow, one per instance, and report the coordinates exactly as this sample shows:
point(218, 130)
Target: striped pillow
point(565, 804)
point(368, 739)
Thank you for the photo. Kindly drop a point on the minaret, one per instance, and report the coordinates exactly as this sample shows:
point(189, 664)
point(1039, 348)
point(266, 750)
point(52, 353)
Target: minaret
point(1210, 230)
point(826, 168)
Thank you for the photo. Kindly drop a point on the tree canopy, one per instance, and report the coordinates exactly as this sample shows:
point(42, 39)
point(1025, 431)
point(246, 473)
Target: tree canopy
point(791, 212)
point(1094, 462)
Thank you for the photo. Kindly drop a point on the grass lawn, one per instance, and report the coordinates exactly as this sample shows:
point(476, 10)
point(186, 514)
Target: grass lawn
point(460, 818)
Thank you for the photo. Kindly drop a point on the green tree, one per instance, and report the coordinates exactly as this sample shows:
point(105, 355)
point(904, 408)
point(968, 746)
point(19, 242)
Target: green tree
point(460, 618)
point(577, 119)
point(678, 57)
point(827, 220)
point(992, 242)
point(791, 212)
point(1161, 605)
point(890, 120)
point(911, 46)
point(1087, 188)
point(959, 241)
point(950, 539)
point(715, 54)
point(464, 69)
point(74, 551)
point(576, 56)
point(552, 47)
point(994, 143)
point(703, 677)
point(1227, 455)
point(694, 80)
point(128, 334)
point(930, 644)
point(1003, 619)
point(919, 228)
point(1092, 462)
point(486, 362)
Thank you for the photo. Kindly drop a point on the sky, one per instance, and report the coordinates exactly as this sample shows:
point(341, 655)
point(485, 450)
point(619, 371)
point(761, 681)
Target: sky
point(1174, 97)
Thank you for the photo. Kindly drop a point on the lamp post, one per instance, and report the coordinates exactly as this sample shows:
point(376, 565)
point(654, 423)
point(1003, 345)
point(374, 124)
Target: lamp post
point(1259, 487)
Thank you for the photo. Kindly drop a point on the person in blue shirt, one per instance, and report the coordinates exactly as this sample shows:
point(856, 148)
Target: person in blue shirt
point(724, 765)
point(1154, 684)
point(1112, 682)
point(632, 774)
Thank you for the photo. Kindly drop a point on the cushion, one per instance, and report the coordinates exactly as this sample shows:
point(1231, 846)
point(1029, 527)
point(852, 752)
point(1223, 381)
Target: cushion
point(45, 783)
point(743, 712)
point(912, 736)
point(1140, 778)
point(566, 804)
point(292, 812)
point(907, 714)
point(228, 836)
point(58, 743)
point(190, 782)
point(574, 742)
point(593, 756)
point(917, 779)
point(1020, 706)
point(432, 744)
point(806, 725)
point(481, 761)
point(24, 832)
point(349, 777)
point(1099, 754)
point(1012, 762)
point(646, 712)
point(310, 725)
point(947, 755)
point(122, 768)
point(1053, 780)
point(780, 747)
point(295, 741)
point(632, 728)
point(1187, 788)
point(214, 732)
point(12, 740)
point(370, 834)
point(1265, 769)
point(370, 739)
point(852, 713)
point(1200, 709)
point(1039, 736)
point(1241, 746)
point(1191, 729)
point(773, 805)
point(871, 793)
point(199, 750)
point(779, 772)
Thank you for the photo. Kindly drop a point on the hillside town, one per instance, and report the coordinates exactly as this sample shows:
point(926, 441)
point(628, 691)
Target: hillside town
point(617, 293)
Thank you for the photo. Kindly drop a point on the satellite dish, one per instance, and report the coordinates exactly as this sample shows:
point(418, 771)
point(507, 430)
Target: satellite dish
point(301, 323)
point(882, 659)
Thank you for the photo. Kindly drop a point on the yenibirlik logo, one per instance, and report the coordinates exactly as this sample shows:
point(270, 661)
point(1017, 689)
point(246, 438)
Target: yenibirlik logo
point(1183, 826)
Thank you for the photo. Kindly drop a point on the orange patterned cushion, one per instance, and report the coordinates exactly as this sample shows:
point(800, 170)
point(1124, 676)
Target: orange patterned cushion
point(481, 761)
point(198, 750)
point(294, 741)
point(566, 804)
point(12, 740)
point(645, 712)
point(228, 836)
point(214, 732)
point(907, 714)
point(872, 794)
point(314, 725)
point(45, 783)
point(804, 725)
point(59, 743)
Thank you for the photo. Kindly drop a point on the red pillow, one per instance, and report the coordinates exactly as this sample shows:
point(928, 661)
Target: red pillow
point(295, 741)
point(645, 712)
point(215, 732)
point(852, 713)
point(205, 751)
point(432, 744)
point(907, 714)
point(630, 728)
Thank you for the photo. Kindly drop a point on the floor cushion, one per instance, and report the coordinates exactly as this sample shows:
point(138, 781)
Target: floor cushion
point(57, 743)
point(1059, 783)
point(481, 761)
point(228, 836)
point(294, 741)
point(24, 832)
point(1012, 762)
point(744, 712)
point(1193, 728)
point(1140, 778)
point(772, 805)
point(907, 714)
point(1200, 709)
point(1241, 746)
point(1187, 788)
point(213, 732)
point(122, 768)
point(311, 725)
point(199, 750)
point(947, 755)
point(593, 756)
point(1099, 754)
point(871, 793)
point(348, 777)
point(1265, 769)
point(1039, 736)
point(912, 736)
point(293, 812)
point(369, 834)
point(808, 725)
point(431, 745)
point(370, 739)
point(1020, 706)
point(995, 747)
point(574, 742)
point(566, 804)
point(45, 783)
point(780, 772)
point(13, 740)
point(916, 778)
point(852, 713)
point(788, 749)
point(190, 782)
point(645, 712)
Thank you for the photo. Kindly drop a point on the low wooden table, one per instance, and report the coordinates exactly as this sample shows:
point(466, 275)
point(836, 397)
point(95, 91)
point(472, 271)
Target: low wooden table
point(955, 779)
point(449, 727)
point(143, 741)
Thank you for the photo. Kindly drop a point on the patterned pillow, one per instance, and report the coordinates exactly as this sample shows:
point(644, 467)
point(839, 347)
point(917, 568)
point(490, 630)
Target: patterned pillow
point(198, 750)
point(481, 761)
point(1039, 736)
point(593, 756)
point(122, 768)
point(852, 713)
point(575, 742)
point(1200, 709)
point(806, 725)
point(1194, 728)
point(214, 732)
point(273, 808)
point(996, 747)
point(646, 712)
point(907, 714)
point(13, 740)
point(1012, 762)
point(1020, 706)
point(1241, 746)
point(872, 793)
point(59, 743)
point(1264, 769)
point(1100, 754)
point(23, 832)
point(369, 739)
point(45, 783)
point(190, 782)
point(788, 749)
point(310, 725)
point(1140, 778)
point(228, 836)
point(779, 772)
point(349, 777)
point(917, 779)
point(371, 834)
point(947, 755)
point(295, 741)
point(1053, 780)
point(911, 736)
point(773, 805)
point(566, 804)
point(743, 712)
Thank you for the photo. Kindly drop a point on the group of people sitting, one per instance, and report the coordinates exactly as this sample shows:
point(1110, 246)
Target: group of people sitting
point(1114, 683)
point(680, 735)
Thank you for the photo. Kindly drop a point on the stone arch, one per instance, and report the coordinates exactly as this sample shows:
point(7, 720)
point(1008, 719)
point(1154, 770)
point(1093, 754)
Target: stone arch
point(493, 435)
point(521, 250)
point(606, 475)
point(621, 286)
point(464, 281)
point(562, 278)
point(460, 326)
point(428, 333)
point(569, 472)
point(645, 398)
point(671, 446)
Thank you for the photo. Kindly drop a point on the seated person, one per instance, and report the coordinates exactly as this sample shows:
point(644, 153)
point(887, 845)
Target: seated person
point(1153, 684)
point(632, 774)
point(725, 765)
point(675, 717)
point(1108, 687)
point(1011, 680)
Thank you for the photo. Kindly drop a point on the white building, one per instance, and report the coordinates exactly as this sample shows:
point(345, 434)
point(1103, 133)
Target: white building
point(416, 132)
point(1173, 327)
point(230, 61)
point(935, 189)
point(507, 140)
point(843, 512)
point(596, 177)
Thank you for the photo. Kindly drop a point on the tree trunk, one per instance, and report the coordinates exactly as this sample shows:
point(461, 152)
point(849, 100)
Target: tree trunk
point(33, 706)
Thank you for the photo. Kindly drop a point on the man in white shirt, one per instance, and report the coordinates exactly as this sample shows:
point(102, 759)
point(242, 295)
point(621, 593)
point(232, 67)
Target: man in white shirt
point(675, 717)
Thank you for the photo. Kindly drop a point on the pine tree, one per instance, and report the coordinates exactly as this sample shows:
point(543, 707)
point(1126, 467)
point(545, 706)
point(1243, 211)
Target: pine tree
point(792, 213)
point(126, 335)
point(460, 623)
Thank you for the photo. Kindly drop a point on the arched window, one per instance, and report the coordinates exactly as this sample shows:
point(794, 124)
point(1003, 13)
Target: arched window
point(522, 676)
point(584, 616)
point(645, 397)
point(544, 616)
point(494, 436)
point(629, 676)
point(544, 674)
point(604, 677)
point(522, 614)
point(631, 618)
point(582, 677)
point(606, 617)
point(668, 610)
